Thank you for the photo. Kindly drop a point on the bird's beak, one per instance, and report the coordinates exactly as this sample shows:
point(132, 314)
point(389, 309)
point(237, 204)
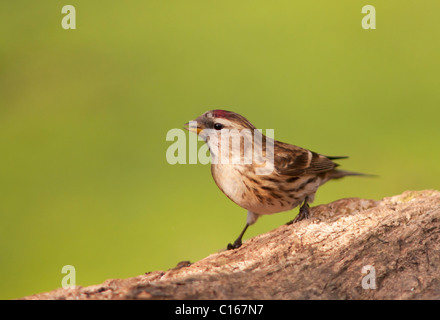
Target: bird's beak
point(193, 127)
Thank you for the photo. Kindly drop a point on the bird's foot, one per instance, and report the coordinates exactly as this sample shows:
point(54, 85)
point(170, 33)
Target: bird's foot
point(304, 213)
point(237, 244)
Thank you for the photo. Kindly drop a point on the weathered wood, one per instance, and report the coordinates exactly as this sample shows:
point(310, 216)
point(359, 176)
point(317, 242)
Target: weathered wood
point(320, 258)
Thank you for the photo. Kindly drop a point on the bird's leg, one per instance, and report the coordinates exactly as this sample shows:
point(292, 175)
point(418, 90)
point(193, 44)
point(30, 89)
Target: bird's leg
point(237, 243)
point(303, 213)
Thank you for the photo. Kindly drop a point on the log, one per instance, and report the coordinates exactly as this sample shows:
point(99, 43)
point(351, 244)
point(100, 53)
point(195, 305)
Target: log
point(349, 249)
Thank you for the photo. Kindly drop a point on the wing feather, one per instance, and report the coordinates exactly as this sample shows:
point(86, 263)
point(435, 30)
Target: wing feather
point(291, 160)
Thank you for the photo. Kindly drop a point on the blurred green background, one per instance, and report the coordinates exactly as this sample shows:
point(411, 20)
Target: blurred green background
point(84, 114)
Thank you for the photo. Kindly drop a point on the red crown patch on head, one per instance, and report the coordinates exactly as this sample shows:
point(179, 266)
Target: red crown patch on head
point(221, 114)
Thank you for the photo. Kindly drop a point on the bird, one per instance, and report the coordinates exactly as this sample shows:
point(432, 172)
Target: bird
point(293, 177)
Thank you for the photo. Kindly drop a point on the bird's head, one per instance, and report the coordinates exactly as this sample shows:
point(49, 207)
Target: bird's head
point(219, 120)
point(230, 137)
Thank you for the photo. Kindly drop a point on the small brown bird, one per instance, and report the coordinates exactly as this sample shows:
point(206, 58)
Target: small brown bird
point(293, 177)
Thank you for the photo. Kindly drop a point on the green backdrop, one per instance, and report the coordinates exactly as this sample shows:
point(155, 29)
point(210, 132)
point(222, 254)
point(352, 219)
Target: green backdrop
point(84, 114)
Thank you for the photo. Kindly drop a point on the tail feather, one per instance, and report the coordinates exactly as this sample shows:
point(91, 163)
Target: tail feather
point(337, 157)
point(337, 174)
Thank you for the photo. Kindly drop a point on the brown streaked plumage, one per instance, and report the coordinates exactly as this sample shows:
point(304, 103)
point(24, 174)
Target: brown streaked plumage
point(294, 179)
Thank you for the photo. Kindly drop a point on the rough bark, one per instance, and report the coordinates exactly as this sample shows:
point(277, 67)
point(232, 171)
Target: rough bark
point(319, 258)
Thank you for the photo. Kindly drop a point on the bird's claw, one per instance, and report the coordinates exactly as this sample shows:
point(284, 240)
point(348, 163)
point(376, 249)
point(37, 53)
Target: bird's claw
point(303, 214)
point(235, 245)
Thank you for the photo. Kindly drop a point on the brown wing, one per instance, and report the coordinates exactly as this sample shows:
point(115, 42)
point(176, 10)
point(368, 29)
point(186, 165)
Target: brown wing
point(295, 161)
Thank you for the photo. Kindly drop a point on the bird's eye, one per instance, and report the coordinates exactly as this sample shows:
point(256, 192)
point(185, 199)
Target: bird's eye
point(218, 126)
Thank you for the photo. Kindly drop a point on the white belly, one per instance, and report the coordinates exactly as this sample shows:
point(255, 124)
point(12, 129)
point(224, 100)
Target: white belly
point(239, 189)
